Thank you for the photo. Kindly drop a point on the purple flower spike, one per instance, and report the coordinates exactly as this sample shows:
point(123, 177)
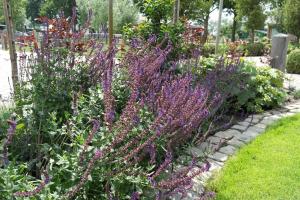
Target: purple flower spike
point(135, 196)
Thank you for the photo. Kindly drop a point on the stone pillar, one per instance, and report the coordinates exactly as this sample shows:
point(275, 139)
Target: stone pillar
point(279, 51)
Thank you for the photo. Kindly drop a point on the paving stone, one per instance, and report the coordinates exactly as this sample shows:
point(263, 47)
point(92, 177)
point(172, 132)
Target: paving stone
point(239, 127)
point(236, 143)
point(291, 107)
point(287, 114)
point(191, 195)
point(257, 116)
point(295, 110)
point(198, 186)
point(275, 112)
point(244, 123)
point(227, 134)
point(283, 110)
point(228, 150)
point(252, 120)
point(211, 161)
point(260, 125)
point(214, 140)
point(267, 121)
point(221, 157)
point(252, 132)
point(197, 152)
point(204, 146)
point(266, 114)
point(246, 138)
point(255, 129)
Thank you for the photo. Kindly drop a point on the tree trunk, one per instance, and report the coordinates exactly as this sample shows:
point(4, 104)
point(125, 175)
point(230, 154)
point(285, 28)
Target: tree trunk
point(176, 11)
point(11, 43)
point(205, 35)
point(110, 23)
point(234, 26)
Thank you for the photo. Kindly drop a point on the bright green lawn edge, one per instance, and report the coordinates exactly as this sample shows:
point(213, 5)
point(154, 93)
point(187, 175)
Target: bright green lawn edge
point(266, 169)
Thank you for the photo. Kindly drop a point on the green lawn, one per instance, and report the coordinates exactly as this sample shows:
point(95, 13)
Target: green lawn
point(266, 169)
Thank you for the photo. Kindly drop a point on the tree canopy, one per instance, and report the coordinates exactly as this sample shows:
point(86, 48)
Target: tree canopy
point(291, 16)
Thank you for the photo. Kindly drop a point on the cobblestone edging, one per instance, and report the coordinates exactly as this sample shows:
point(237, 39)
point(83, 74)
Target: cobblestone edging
point(232, 139)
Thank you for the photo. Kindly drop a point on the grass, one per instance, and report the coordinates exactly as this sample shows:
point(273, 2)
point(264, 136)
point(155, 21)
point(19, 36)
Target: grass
point(266, 169)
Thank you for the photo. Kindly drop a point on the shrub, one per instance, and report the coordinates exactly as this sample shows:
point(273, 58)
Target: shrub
point(254, 49)
point(5, 114)
point(292, 47)
point(208, 49)
point(297, 94)
point(293, 63)
point(90, 129)
point(263, 88)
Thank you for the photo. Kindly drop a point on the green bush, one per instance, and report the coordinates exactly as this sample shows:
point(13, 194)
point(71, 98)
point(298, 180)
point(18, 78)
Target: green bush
point(292, 47)
point(293, 63)
point(263, 88)
point(253, 90)
point(208, 50)
point(5, 113)
point(254, 49)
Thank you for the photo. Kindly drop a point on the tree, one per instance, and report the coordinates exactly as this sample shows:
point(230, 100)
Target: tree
point(291, 16)
point(252, 12)
point(176, 11)
point(33, 9)
point(11, 42)
point(125, 12)
point(230, 6)
point(200, 11)
point(156, 11)
point(51, 8)
point(18, 12)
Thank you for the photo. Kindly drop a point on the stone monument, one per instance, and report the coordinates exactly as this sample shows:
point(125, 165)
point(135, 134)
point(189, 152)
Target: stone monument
point(279, 51)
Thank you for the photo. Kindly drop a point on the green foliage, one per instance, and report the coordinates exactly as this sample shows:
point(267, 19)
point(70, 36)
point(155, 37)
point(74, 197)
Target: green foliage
point(263, 88)
point(51, 8)
point(208, 49)
point(296, 94)
point(125, 12)
point(197, 10)
point(293, 63)
point(291, 16)
point(254, 49)
point(292, 47)
point(156, 11)
point(171, 31)
point(252, 11)
point(18, 11)
point(5, 114)
point(33, 9)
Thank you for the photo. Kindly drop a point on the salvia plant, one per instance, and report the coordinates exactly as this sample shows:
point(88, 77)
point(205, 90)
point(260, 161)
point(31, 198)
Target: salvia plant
point(85, 141)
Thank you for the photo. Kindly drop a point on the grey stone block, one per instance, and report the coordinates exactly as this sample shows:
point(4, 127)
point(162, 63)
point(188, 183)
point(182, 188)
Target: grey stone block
point(244, 123)
point(236, 143)
point(214, 140)
point(239, 127)
point(227, 134)
point(221, 157)
point(228, 150)
point(252, 120)
point(197, 152)
point(255, 129)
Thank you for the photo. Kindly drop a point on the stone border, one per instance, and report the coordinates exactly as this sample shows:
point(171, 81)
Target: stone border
point(232, 139)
